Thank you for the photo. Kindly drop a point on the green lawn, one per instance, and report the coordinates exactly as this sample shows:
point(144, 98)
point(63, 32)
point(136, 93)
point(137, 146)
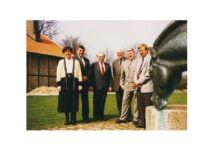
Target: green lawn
point(42, 110)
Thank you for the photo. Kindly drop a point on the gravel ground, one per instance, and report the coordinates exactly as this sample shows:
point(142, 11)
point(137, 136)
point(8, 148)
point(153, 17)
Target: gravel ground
point(43, 90)
point(99, 125)
point(46, 91)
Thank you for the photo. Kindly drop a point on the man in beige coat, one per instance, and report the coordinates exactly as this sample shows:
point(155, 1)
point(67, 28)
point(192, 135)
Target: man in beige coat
point(143, 83)
point(116, 72)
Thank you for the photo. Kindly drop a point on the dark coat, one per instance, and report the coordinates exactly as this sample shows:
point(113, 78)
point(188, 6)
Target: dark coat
point(68, 99)
point(97, 80)
point(85, 70)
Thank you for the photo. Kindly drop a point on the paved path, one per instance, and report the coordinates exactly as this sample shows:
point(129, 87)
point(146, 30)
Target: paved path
point(99, 125)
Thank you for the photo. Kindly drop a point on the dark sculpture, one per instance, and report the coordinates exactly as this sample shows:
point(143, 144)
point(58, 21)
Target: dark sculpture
point(169, 60)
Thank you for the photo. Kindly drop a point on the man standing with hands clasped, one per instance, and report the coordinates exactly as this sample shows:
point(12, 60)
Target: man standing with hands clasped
point(143, 83)
point(85, 66)
point(100, 81)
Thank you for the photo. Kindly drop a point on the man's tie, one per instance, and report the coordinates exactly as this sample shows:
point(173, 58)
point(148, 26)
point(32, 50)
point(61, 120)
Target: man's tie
point(102, 69)
point(129, 65)
point(139, 72)
point(120, 64)
point(129, 68)
point(81, 60)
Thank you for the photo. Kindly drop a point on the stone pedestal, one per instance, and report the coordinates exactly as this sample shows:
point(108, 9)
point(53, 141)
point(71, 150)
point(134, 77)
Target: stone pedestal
point(173, 117)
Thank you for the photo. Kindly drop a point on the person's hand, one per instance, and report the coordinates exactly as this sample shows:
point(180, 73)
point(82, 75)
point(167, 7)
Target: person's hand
point(137, 85)
point(59, 88)
point(84, 78)
point(80, 88)
point(110, 89)
point(90, 88)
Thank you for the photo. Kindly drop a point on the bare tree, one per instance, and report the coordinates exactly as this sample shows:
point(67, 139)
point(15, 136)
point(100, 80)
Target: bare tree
point(48, 28)
point(109, 56)
point(72, 42)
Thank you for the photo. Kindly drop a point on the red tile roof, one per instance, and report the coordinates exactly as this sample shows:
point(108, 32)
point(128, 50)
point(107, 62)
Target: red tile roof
point(47, 47)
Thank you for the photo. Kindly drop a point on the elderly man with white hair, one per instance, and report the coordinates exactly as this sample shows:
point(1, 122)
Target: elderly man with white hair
point(99, 80)
point(116, 73)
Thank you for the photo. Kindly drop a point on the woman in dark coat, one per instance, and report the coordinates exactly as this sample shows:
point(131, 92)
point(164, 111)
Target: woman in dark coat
point(68, 78)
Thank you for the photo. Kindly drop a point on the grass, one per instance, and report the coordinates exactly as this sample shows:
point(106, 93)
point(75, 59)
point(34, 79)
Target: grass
point(42, 110)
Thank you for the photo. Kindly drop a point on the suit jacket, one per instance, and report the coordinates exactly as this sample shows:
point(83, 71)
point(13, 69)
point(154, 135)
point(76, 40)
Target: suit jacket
point(144, 76)
point(127, 75)
point(84, 69)
point(116, 72)
point(97, 80)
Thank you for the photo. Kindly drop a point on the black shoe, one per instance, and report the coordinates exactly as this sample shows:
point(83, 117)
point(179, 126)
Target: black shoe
point(120, 121)
point(95, 119)
point(139, 125)
point(73, 122)
point(102, 119)
point(86, 120)
point(67, 123)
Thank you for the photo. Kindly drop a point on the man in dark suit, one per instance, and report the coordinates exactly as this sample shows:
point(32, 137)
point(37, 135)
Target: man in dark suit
point(100, 79)
point(116, 72)
point(85, 66)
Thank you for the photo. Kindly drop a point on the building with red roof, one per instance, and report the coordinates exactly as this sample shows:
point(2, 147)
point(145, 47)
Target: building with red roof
point(42, 58)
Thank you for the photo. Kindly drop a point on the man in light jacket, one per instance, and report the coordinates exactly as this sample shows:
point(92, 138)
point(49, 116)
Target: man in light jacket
point(143, 83)
point(128, 85)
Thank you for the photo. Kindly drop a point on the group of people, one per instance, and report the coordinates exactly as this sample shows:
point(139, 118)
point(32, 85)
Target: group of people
point(128, 77)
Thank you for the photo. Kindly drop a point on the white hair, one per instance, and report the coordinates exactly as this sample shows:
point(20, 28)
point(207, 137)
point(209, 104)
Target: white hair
point(100, 53)
point(119, 50)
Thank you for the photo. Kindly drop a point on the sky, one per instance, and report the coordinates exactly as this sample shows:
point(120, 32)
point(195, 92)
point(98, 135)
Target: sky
point(112, 35)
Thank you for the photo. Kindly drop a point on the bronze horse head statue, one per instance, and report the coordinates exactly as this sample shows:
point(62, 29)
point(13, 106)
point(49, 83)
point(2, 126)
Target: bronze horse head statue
point(169, 60)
